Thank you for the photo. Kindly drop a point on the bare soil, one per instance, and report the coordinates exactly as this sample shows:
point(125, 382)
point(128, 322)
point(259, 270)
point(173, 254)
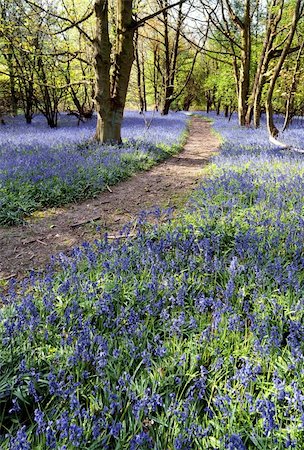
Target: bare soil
point(46, 233)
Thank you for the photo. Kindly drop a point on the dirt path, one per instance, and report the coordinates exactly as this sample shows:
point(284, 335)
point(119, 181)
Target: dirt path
point(58, 229)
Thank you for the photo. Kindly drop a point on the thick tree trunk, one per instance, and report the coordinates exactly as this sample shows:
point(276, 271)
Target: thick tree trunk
point(102, 72)
point(111, 86)
point(110, 128)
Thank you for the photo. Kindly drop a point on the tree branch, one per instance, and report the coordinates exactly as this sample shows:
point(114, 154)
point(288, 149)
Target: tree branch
point(65, 19)
point(141, 22)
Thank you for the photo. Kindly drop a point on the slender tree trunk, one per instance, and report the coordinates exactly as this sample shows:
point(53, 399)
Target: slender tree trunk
point(275, 11)
point(29, 102)
point(272, 130)
point(170, 57)
point(208, 103)
point(218, 107)
point(230, 113)
point(257, 103)
point(294, 84)
point(167, 88)
point(14, 100)
point(244, 25)
point(156, 70)
point(244, 76)
point(139, 75)
point(143, 82)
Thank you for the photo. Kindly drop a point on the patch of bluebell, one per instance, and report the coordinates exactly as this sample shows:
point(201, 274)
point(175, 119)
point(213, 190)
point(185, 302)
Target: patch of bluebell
point(188, 335)
point(41, 167)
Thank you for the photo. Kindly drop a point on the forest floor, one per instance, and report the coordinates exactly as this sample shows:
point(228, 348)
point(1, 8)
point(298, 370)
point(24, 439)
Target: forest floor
point(51, 231)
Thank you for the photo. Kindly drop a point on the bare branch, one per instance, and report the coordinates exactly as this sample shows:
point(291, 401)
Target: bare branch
point(65, 19)
point(142, 22)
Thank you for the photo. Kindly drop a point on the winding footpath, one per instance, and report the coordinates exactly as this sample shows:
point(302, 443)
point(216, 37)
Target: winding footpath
point(46, 233)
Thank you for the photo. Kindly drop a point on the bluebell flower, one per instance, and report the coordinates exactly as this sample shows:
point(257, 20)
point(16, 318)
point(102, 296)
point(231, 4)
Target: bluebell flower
point(234, 442)
point(40, 421)
point(267, 410)
point(20, 442)
point(141, 440)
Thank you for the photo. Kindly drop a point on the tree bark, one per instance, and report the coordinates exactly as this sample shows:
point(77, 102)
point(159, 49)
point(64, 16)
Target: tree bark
point(112, 85)
point(156, 73)
point(218, 107)
point(102, 72)
point(244, 25)
point(139, 75)
point(254, 104)
point(170, 57)
point(143, 82)
point(29, 101)
point(272, 129)
point(14, 100)
point(289, 113)
point(244, 74)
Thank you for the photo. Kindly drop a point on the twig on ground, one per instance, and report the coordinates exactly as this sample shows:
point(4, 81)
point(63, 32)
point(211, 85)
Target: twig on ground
point(83, 222)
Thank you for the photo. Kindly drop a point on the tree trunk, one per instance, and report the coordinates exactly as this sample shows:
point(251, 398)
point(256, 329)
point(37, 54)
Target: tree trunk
point(244, 76)
point(218, 108)
point(167, 101)
point(111, 86)
point(139, 75)
point(102, 72)
point(170, 56)
point(144, 92)
point(208, 104)
point(257, 104)
point(167, 78)
point(293, 88)
point(272, 130)
point(14, 100)
point(274, 13)
point(156, 71)
point(29, 102)
point(52, 120)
